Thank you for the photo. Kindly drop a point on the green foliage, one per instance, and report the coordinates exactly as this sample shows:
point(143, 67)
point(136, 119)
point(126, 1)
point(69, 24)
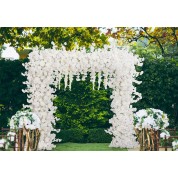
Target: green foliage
point(98, 136)
point(164, 39)
point(11, 96)
point(159, 87)
point(76, 135)
point(71, 135)
point(150, 52)
point(83, 107)
point(21, 37)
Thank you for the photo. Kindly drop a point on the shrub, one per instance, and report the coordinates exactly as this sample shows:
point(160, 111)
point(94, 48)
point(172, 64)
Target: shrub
point(98, 136)
point(159, 87)
point(71, 135)
point(11, 85)
point(76, 135)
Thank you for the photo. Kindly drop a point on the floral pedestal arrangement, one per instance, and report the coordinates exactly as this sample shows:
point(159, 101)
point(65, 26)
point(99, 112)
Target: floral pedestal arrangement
point(149, 123)
point(27, 125)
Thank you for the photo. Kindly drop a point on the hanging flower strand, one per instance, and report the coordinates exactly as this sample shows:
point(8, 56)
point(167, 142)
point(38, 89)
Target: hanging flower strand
point(47, 67)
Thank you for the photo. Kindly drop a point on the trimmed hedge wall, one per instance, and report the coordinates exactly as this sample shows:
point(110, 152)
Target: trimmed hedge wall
point(71, 135)
point(98, 136)
point(77, 136)
point(159, 87)
point(11, 85)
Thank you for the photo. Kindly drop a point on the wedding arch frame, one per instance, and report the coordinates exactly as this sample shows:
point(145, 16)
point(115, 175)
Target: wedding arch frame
point(114, 66)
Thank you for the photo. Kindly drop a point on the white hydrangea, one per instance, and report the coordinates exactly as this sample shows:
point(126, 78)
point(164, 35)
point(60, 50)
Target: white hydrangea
point(25, 119)
point(4, 143)
point(175, 145)
point(114, 66)
point(150, 119)
point(164, 133)
point(11, 136)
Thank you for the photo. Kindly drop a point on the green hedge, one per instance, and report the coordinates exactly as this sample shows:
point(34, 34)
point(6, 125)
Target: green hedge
point(11, 85)
point(71, 135)
point(98, 136)
point(77, 136)
point(159, 87)
point(83, 107)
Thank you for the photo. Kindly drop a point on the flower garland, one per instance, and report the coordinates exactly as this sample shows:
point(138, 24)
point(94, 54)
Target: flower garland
point(115, 67)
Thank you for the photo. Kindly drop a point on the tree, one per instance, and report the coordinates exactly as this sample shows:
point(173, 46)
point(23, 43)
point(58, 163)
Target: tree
point(165, 39)
point(159, 85)
point(20, 37)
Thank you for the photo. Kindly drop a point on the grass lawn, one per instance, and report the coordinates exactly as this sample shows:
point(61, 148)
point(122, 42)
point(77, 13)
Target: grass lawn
point(86, 147)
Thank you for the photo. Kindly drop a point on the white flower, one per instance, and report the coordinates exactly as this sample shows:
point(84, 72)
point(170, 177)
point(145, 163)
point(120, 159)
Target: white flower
point(165, 133)
point(141, 113)
point(11, 136)
point(12, 123)
point(2, 143)
point(150, 118)
point(175, 145)
point(24, 118)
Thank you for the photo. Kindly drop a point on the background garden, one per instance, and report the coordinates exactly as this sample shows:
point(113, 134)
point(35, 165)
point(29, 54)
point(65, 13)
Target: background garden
point(84, 112)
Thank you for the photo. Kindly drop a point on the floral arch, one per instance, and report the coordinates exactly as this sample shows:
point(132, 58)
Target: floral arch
point(114, 66)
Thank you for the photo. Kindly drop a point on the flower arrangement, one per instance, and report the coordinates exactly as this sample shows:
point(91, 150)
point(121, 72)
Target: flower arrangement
point(175, 145)
point(27, 127)
point(150, 119)
point(25, 119)
point(148, 123)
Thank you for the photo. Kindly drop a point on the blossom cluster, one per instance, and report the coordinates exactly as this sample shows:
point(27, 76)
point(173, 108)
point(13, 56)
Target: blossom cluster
point(11, 136)
point(151, 119)
point(164, 133)
point(25, 119)
point(4, 143)
point(114, 67)
point(175, 145)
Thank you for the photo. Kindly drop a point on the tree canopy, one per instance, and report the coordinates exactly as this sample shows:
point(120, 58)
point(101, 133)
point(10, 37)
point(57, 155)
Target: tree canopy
point(21, 37)
point(165, 39)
